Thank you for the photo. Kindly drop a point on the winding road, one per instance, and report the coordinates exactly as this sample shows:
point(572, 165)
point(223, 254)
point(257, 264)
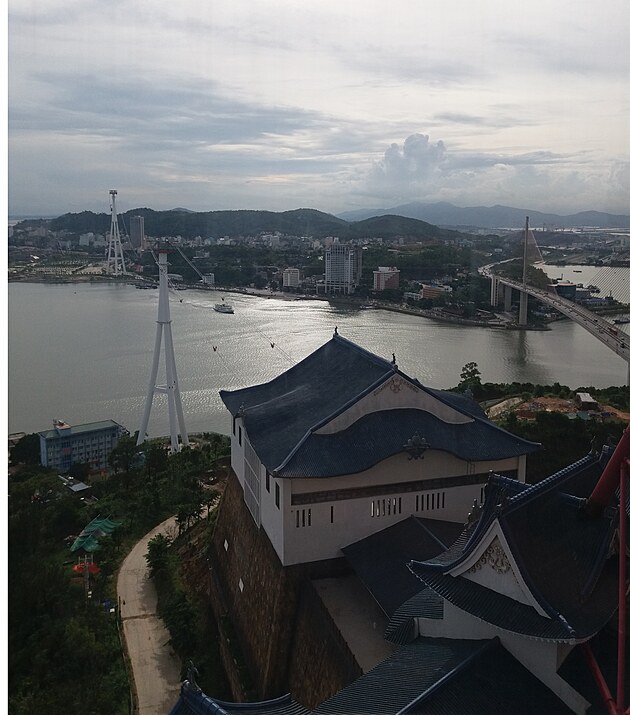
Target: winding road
point(156, 670)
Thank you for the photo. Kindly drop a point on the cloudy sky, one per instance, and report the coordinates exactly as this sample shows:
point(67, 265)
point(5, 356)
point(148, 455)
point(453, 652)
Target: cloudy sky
point(330, 104)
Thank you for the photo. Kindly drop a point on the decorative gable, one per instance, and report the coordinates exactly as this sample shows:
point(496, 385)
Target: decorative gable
point(491, 564)
point(397, 392)
point(494, 557)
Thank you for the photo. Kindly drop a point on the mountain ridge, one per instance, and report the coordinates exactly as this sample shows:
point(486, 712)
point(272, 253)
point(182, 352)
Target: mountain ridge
point(443, 213)
point(297, 222)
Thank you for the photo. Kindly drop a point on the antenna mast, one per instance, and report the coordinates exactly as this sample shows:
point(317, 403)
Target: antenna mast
point(115, 257)
point(171, 389)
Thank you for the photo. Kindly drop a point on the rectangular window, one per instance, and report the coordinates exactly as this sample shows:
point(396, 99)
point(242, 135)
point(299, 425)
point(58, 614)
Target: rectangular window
point(432, 501)
point(400, 505)
point(267, 479)
point(332, 514)
point(308, 517)
point(278, 495)
point(234, 426)
point(443, 496)
point(422, 509)
point(297, 519)
point(417, 501)
point(240, 436)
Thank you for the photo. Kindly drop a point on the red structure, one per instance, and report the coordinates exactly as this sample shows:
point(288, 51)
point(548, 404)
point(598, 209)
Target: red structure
point(614, 475)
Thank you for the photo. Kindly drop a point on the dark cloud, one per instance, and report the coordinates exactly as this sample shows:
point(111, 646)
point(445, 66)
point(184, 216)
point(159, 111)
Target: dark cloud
point(197, 112)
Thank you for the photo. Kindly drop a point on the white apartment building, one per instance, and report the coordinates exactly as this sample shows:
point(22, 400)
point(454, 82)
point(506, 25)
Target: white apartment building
point(291, 277)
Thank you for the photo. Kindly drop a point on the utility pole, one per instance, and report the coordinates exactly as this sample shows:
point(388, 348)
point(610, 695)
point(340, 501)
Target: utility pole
point(115, 257)
point(171, 389)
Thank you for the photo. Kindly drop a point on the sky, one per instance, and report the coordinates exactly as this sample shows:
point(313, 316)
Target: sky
point(333, 105)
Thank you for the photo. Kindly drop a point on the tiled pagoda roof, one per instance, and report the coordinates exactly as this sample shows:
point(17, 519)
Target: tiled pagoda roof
point(282, 416)
point(561, 555)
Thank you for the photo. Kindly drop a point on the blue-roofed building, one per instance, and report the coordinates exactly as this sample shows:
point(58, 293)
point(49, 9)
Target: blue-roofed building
point(65, 445)
point(494, 625)
point(344, 444)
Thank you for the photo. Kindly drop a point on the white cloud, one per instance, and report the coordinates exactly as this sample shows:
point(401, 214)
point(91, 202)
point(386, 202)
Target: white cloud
point(280, 101)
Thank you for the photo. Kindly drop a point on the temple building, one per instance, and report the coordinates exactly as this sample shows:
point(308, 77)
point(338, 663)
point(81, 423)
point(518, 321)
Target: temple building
point(345, 444)
point(377, 550)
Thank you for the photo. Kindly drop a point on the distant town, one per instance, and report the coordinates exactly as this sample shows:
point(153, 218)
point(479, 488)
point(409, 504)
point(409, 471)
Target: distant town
point(384, 261)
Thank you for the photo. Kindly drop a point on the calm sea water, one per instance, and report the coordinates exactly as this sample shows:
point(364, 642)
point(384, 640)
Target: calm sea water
point(83, 352)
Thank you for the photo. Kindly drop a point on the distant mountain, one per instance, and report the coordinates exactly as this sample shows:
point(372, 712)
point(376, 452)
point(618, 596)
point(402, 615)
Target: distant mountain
point(300, 222)
point(446, 214)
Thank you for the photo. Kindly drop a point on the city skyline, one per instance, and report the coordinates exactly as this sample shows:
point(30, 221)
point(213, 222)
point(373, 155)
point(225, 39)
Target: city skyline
point(277, 105)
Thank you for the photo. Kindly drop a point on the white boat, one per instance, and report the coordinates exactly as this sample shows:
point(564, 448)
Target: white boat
point(223, 308)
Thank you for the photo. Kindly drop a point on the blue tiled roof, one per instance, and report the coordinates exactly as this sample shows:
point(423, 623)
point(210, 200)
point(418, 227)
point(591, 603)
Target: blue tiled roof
point(193, 701)
point(495, 608)
point(380, 560)
point(401, 678)
point(281, 417)
point(561, 555)
point(435, 676)
point(425, 604)
point(380, 435)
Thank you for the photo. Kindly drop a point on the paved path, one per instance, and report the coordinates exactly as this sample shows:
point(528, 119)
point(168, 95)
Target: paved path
point(156, 671)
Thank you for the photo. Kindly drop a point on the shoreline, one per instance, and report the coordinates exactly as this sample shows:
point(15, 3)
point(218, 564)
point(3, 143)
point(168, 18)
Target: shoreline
point(492, 323)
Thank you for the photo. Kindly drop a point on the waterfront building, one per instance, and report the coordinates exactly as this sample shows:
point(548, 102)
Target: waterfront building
point(291, 277)
point(343, 265)
point(434, 291)
point(345, 444)
point(91, 443)
point(386, 277)
point(136, 232)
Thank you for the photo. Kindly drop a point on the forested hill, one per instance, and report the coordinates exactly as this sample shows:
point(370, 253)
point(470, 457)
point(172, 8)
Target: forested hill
point(300, 222)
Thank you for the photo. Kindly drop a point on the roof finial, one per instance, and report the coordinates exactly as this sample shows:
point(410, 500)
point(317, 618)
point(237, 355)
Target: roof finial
point(336, 333)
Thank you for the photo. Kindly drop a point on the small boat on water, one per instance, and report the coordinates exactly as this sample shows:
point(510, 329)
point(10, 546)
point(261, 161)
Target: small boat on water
point(223, 308)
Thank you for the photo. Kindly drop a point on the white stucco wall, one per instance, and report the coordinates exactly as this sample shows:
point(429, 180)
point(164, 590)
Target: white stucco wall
point(303, 532)
point(395, 393)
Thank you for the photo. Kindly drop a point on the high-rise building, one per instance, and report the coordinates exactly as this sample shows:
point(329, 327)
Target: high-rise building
point(343, 268)
point(136, 231)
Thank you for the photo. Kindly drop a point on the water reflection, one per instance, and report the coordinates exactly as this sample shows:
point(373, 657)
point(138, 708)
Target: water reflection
point(86, 355)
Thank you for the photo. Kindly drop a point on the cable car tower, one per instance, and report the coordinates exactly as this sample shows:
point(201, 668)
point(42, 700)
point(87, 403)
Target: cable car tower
point(171, 389)
point(115, 257)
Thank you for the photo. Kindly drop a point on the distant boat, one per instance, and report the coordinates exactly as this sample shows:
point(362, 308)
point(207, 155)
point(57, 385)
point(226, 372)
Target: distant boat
point(223, 308)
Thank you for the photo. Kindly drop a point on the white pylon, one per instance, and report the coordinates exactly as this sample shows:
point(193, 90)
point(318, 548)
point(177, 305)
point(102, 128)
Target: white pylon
point(115, 257)
point(171, 389)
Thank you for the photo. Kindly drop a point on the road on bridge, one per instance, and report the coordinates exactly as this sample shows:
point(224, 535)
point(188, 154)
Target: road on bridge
point(599, 327)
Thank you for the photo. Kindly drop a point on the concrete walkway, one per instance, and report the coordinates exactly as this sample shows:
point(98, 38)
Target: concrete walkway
point(156, 670)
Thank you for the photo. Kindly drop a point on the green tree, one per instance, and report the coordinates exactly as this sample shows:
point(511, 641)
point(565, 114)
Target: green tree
point(470, 376)
point(26, 451)
point(157, 554)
